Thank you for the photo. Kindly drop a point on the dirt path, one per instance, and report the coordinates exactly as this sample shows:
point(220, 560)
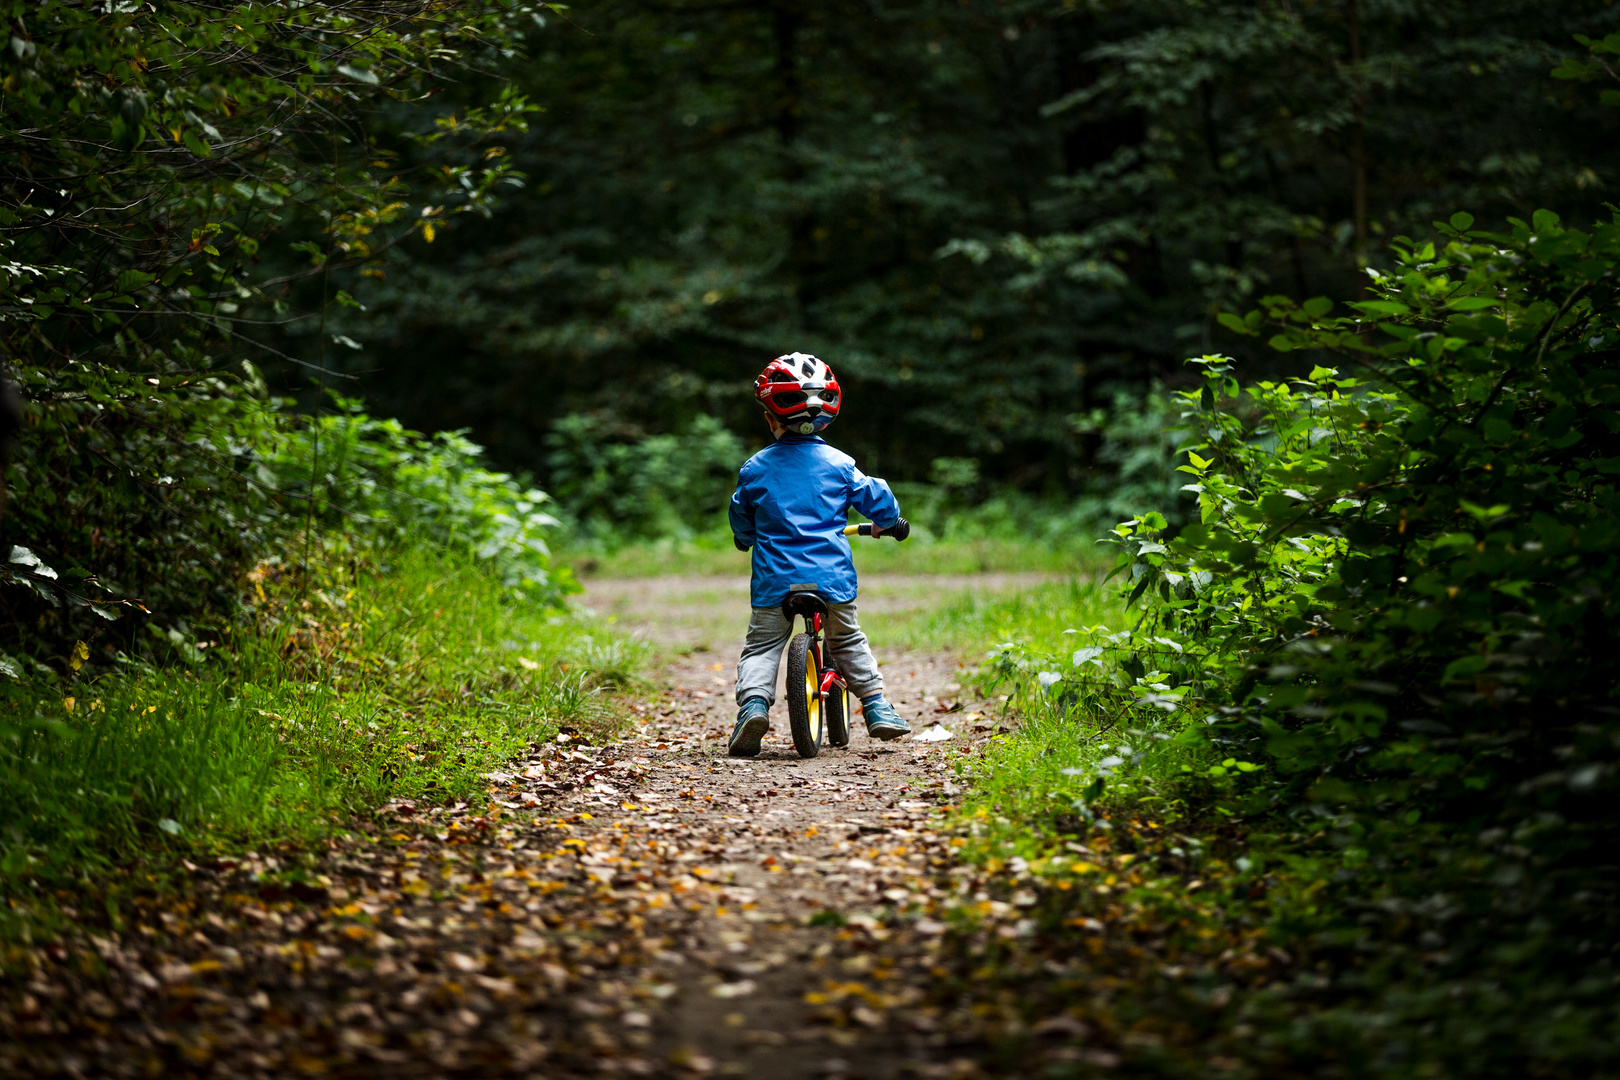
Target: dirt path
point(643, 906)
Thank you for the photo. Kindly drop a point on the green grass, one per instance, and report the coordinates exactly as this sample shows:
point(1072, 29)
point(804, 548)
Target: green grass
point(1049, 765)
point(713, 555)
point(977, 618)
point(408, 681)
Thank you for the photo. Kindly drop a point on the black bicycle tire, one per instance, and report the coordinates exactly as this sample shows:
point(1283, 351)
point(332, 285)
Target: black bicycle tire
point(807, 728)
point(836, 713)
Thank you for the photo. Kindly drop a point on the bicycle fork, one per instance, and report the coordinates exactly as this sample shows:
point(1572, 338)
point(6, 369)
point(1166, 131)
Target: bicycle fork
point(830, 676)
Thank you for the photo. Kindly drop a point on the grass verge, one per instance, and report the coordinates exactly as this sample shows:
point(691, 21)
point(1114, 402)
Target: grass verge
point(712, 554)
point(405, 680)
point(1130, 893)
point(976, 618)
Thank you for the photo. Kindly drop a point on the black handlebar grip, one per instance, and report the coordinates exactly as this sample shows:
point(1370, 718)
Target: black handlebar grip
point(900, 530)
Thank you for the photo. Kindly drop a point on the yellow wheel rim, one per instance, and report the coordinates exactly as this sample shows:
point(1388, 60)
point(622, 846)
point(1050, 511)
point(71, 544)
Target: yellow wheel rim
point(812, 697)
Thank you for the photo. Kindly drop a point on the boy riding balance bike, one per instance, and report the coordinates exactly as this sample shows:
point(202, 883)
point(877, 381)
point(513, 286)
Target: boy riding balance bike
point(792, 508)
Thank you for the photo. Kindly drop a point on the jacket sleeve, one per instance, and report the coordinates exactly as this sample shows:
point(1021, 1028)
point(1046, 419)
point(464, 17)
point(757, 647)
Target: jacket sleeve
point(872, 497)
point(742, 515)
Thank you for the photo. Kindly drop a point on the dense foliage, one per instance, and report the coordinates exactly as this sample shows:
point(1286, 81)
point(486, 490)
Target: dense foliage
point(335, 691)
point(715, 183)
point(1391, 635)
point(149, 156)
point(619, 485)
point(368, 484)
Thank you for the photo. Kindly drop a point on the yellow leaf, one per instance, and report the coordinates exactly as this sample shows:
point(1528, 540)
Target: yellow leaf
point(68, 703)
point(80, 653)
point(428, 232)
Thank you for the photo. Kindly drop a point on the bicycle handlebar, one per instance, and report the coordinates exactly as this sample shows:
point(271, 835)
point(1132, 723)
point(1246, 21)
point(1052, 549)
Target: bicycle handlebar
point(899, 530)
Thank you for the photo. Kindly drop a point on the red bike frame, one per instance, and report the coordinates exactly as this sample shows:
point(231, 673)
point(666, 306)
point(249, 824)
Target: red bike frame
point(829, 675)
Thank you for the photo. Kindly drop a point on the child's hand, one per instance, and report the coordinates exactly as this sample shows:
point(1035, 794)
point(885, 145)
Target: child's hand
point(899, 530)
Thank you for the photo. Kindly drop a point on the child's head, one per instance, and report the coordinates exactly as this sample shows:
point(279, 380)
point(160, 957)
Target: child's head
point(799, 394)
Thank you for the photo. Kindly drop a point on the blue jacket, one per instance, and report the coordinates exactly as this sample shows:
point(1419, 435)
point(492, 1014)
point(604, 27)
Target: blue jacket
point(791, 506)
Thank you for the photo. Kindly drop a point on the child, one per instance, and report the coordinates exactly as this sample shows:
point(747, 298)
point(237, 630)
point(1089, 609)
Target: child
point(791, 506)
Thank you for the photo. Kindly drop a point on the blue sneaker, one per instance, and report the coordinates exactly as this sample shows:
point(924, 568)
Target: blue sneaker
point(882, 722)
point(753, 721)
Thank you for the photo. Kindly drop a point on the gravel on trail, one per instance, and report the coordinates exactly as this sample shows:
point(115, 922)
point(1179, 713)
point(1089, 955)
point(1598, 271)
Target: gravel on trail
point(639, 904)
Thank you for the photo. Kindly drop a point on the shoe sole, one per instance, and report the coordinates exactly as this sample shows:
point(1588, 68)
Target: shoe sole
point(886, 733)
point(745, 743)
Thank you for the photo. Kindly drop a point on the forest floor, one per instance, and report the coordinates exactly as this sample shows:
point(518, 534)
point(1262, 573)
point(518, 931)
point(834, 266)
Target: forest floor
point(626, 901)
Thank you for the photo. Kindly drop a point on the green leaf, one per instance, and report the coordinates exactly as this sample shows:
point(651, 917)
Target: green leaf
point(1462, 221)
point(1317, 307)
point(1544, 221)
point(1281, 342)
point(1484, 513)
point(196, 145)
point(1381, 307)
point(1233, 322)
point(358, 74)
point(130, 280)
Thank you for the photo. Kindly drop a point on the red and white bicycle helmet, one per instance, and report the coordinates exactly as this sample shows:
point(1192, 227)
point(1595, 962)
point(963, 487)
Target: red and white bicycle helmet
point(800, 391)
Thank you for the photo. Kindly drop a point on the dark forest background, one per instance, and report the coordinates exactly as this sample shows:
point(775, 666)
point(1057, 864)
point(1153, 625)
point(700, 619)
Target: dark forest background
point(272, 275)
point(990, 217)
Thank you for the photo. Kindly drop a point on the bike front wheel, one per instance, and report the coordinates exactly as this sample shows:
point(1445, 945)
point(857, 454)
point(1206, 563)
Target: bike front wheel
point(838, 714)
point(805, 717)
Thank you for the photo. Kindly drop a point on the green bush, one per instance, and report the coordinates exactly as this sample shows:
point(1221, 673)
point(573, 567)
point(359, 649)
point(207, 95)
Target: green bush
point(619, 485)
point(255, 482)
point(138, 265)
point(616, 486)
point(1138, 455)
point(371, 483)
point(1388, 645)
point(132, 496)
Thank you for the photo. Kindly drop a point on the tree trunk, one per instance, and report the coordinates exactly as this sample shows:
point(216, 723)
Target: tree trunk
point(1358, 136)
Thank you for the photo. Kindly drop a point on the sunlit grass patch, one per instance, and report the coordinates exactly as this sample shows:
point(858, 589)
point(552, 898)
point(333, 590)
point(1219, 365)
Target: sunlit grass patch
point(977, 618)
point(1066, 765)
point(332, 697)
point(713, 554)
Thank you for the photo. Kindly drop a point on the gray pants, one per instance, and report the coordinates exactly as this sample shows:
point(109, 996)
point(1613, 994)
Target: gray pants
point(768, 633)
